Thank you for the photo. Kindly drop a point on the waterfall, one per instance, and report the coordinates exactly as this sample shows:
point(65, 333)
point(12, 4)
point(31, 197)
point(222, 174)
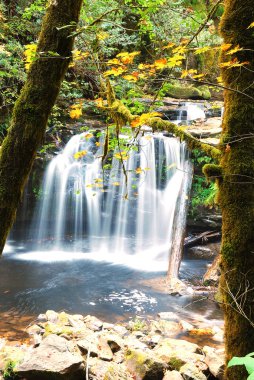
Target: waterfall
point(94, 211)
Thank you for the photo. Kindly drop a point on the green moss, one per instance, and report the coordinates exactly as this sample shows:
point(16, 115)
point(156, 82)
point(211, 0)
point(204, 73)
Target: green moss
point(212, 171)
point(175, 363)
point(188, 92)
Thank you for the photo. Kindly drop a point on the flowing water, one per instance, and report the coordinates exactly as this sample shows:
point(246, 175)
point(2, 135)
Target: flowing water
point(98, 235)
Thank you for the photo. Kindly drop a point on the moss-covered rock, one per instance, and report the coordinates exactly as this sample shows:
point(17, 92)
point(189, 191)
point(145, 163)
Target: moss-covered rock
point(188, 92)
point(144, 365)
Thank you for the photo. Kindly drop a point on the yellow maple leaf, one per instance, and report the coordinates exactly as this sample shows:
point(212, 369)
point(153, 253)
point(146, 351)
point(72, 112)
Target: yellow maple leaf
point(113, 61)
point(139, 171)
point(99, 102)
point(98, 143)
point(160, 63)
point(127, 58)
point(121, 155)
point(202, 50)
point(130, 78)
point(102, 36)
point(80, 154)
point(168, 46)
point(116, 183)
point(88, 136)
point(225, 47)
point(234, 50)
point(185, 73)
point(116, 71)
point(251, 25)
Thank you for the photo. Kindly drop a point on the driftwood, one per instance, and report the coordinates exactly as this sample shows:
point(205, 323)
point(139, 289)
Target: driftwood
point(204, 237)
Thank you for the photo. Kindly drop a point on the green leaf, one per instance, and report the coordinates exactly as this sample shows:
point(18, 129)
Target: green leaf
point(251, 377)
point(247, 361)
point(251, 354)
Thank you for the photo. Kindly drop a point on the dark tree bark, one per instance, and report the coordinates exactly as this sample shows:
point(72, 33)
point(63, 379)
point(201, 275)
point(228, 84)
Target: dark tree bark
point(236, 188)
point(33, 107)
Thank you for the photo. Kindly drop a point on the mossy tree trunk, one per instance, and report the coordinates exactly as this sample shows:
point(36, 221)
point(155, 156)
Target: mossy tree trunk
point(34, 105)
point(236, 188)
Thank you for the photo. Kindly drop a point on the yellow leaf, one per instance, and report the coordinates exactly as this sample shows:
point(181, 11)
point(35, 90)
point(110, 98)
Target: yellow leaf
point(185, 73)
point(160, 63)
point(251, 25)
point(102, 36)
point(116, 71)
point(80, 154)
point(127, 58)
point(147, 169)
point(180, 50)
point(144, 118)
point(139, 171)
point(202, 50)
point(99, 102)
point(234, 50)
point(168, 46)
point(121, 156)
point(98, 180)
point(198, 76)
point(88, 136)
point(114, 61)
point(225, 47)
point(76, 113)
point(98, 144)
point(116, 183)
point(135, 123)
point(131, 77)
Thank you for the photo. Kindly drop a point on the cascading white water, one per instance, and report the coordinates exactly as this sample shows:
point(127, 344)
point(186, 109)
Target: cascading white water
point(97, 213)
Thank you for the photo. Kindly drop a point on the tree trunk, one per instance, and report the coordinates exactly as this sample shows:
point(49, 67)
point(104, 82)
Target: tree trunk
point(33, 107)
point(179, 225)
point(236, 188)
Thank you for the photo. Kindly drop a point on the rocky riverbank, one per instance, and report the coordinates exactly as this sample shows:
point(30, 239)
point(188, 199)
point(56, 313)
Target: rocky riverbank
point(70, 347)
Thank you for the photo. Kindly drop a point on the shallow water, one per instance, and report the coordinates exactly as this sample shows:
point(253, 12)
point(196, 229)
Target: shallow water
point(112, 292)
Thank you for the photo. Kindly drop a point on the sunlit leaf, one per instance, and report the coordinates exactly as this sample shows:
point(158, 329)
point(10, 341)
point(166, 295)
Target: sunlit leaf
point(139, 171)
point(80, 154)
point(202, 50)
point(251, 25)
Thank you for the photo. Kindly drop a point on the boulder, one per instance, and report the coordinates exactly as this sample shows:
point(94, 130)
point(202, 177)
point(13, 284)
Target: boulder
point(52, 316)
point(215, 359)
point(55, 357)
point(189, 371)
point(93, 323)
point(201, 252)
point(188, 92)
point(144, 365)
point(172, 375)
point(101, 370)
point(164, 327)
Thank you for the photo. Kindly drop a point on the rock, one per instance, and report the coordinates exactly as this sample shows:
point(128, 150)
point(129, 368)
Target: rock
point(93, 323)
point(42, 318)
point(115, 342)
point(201, 252)
point(34, 329)
point(121, 330)
point(172, 375)
point(144, 365)
point(177, 287)
point(186, 326)
point(169, 316)
point(188, 92)
point(54, 357)
point(134, 343)
point(52, 316)
point(164, 327)
point(101, 370)
point(212, 275)
point(178, 345)
point(96, 346)
point(215, 359)
point(189, 371)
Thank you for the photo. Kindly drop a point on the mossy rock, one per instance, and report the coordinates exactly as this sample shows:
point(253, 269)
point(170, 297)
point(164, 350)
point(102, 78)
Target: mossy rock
point(145, 366)
point(188, 92)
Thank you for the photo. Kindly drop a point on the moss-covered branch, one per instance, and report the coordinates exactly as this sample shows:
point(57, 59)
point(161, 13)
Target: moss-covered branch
point(120, 113)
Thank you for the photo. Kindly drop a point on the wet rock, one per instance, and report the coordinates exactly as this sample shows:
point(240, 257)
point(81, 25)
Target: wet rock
point(93, 323)
point(215, 359)
point(52, 316)
point(186, 326)
point(42, 318)
point(135, 343)
point(115, 342)
point(201, 252)
point(175, 345)
point(54, 357)
point(177, 287)
point(144, 365)
point(172, 375)
point(164, 327)
point(189, 371)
